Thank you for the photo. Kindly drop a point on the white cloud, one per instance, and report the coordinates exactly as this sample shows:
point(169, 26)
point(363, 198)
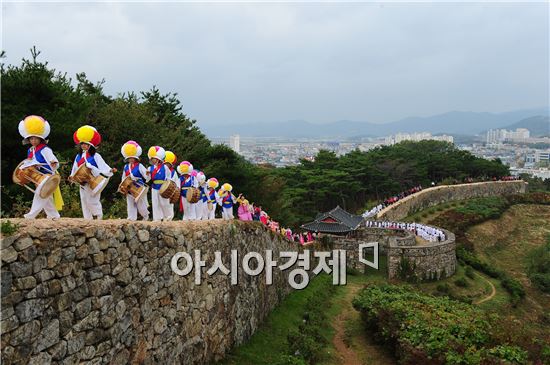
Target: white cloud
point(321, 62)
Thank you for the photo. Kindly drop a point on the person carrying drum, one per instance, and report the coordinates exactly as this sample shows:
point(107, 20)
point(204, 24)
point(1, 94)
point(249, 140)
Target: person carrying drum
point(187, 181)
point(227, 201)
point(159, 173)
point(170, 160)
point(131, 151)
point(90, 196)
point(34, 130)
point(212, 197)
point(201, 207)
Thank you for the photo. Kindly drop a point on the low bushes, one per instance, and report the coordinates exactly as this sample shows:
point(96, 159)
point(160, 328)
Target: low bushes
point(512, 286)
point(538, 267)
point(424, 329)
point(306, 344)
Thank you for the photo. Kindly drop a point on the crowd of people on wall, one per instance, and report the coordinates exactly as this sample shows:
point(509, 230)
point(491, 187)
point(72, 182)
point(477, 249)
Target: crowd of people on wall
point(391, 200)
point(397, 197)
point(171, 185)
point(427, 233)
point(249, 212)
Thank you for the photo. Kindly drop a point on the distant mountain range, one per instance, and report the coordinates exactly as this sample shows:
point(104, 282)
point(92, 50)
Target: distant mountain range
point(539, 126)
point(455, 123)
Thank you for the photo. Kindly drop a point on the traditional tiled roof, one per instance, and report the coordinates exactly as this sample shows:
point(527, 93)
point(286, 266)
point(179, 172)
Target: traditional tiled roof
point(336, 221)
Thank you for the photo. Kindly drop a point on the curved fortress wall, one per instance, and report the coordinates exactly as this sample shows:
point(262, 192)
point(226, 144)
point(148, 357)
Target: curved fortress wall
point(441, 194)
point(76, 290)
point(432, 261)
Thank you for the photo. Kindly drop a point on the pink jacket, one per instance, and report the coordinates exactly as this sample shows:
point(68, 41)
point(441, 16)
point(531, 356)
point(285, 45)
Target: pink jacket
point(243, 213)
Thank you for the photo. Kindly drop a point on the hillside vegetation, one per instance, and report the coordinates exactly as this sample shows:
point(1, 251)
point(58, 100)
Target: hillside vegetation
point(291, 195)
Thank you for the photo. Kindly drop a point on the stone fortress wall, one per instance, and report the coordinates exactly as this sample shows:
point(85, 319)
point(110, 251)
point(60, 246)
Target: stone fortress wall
point(103, 291)
point(444, 193)
point(436, 260)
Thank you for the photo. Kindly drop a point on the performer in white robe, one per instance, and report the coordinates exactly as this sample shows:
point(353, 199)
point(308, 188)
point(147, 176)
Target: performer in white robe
point(201, 207)
point(187, 181)
point(227, 200)
point(213, 198)
point(34, 130)
point(131, 151)
point(90, 199)
point(170, 160)
point(159, 173)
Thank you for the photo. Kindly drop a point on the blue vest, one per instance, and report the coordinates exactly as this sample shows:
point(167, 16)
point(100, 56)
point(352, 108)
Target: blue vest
point(90, 159)
point(212, 195)
point(227, 201)
point(186, 183)
point(203, 196)
point(45, 169)
point(159, 178)
point(135, 172)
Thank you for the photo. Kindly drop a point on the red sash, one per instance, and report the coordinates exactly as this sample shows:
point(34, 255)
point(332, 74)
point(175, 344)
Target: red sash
point(155, 171)
point(82, 159)
point(33, 151)
point(130, 168)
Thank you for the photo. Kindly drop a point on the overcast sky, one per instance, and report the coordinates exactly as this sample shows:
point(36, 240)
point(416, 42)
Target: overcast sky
point(319, 62)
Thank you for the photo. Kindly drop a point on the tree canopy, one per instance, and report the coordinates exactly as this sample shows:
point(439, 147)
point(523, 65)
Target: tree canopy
point(291, 195)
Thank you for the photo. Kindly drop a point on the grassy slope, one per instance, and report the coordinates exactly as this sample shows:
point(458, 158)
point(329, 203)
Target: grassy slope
point(270, 341)
point(505, 243)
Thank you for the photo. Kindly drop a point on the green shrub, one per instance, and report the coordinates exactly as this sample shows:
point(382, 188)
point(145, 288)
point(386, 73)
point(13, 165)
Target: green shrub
point(9, 228)
point(406, 272)
point(425, 329)
point(538, 268)
point(290, 360)
point(512, 286)
point(308, 341)
point(461, 282)
point(469, 272)
point(443, 288)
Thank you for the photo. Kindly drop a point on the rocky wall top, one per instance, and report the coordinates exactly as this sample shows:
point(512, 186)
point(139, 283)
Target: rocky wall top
point(441, 194)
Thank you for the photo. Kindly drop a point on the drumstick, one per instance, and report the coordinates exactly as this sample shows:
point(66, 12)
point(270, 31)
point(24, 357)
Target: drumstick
point(28, 187)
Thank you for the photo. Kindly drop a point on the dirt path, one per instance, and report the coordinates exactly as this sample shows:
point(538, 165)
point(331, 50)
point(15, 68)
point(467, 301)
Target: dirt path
point(347, 355)
point(493, 290)
point(351, 341)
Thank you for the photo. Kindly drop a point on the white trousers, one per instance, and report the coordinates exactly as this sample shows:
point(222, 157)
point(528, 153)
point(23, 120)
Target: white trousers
point(91, 204)
point(137, 206)
point(39, 204)
point(201, 209)
point(161, 207)
point(189, 210)
point(212, 213)
point(171, 209)
point(227, 213)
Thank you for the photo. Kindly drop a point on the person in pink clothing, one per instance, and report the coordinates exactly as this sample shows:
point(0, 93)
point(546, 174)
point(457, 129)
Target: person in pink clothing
point(289, 234)
point(243, 211)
